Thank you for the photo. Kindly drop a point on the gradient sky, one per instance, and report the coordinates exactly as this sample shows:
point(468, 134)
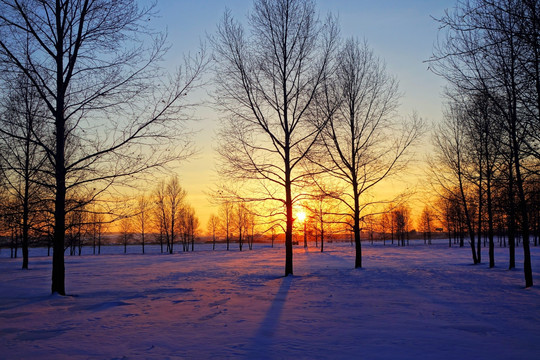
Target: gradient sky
point(401, 32)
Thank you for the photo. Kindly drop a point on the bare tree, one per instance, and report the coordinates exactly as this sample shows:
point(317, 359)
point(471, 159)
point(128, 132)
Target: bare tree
point(490, 47)
point(170, 203)
point(97, 220)
point(363, 139)
point(268, 77)
point(250, 229)
point(126, 231)
point(188, 225)
point(402, 218)
point(213, 225)
point(391, 221)
point(273, 234)
point(485, 148)
point(143, 208)
point(241, 214)
point(426, 223)
point(106, 97)
point(384, 225)
point(370, 222)
point(22, 115)
point(76, 221)
point(444, 207)
point(226, 220)
point(323, 206)
point(9, 220)
point(161, 215)
point(450, 164)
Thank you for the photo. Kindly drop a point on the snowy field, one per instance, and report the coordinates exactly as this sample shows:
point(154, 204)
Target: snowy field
point(416, 302)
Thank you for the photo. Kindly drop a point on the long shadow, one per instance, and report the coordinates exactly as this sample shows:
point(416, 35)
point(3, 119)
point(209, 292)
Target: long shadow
point(262, 341)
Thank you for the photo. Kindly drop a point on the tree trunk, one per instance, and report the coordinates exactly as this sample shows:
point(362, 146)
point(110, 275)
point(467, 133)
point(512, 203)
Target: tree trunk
point(490, 220)
point(322, 237)
point(467, 215)
point(25, 224)
point(288, 191)
point(305, 235)
point(511, 215)
point(26, 195)
point(240, 239)
point(480, 207)
point(288, 230)
point(173, 234)
point(58, 268)
point(356, 228)
point(527, 267)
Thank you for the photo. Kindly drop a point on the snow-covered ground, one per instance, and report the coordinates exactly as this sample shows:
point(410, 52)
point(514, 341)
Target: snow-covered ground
point(416, 302)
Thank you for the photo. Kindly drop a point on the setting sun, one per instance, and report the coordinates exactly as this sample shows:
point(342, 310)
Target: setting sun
point(301, 216)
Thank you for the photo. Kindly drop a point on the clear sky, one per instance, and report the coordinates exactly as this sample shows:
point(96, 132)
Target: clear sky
point(401, 32)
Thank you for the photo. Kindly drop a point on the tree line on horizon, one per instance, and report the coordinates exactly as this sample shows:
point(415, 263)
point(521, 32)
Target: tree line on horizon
point(162, 217)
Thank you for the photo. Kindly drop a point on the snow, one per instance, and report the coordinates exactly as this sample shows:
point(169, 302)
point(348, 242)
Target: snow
point(406, 303)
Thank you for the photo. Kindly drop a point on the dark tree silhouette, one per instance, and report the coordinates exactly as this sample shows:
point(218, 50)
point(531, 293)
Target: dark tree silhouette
point(490, 47)
point(268, 77)
point(105, 94)
point(450, 163)
point(23, 168)
point(213, 225)
point(362, 139)
point(143, 214)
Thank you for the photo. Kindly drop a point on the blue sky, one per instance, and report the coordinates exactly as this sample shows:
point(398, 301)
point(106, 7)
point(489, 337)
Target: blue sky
point(402, 33)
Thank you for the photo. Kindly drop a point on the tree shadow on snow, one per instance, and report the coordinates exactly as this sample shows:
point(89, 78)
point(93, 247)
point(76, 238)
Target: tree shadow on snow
point(262, 341)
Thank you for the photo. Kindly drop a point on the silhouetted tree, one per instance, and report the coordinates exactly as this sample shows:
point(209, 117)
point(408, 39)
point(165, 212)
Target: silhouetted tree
point(384, 225)
point(267, 79)
point(97, 222)
point(402, 218)
point(23, 162)
point(170, 197)
point(143, 213)
point(213, 224)
point(240, 215)
point(323, 208)
point(449, 165)
point(126, 231)
point(106, 99)
point(489, 47)
point(188, 224)
point(358, 106)
point(226, 216)
point(426, 224)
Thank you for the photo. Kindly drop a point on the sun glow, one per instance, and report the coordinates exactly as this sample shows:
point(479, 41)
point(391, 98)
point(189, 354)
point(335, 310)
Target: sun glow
point(301, 216)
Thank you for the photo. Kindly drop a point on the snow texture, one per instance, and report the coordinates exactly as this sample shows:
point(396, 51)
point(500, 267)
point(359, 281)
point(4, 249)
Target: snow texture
point(415, 302)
